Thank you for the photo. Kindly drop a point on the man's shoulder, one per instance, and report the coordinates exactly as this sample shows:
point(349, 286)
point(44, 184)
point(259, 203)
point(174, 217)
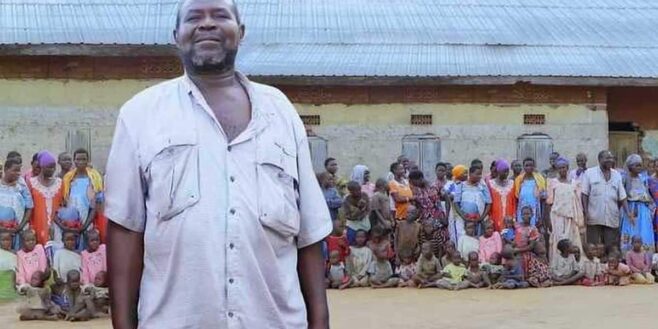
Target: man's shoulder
point(147, 98)
point(274, 98)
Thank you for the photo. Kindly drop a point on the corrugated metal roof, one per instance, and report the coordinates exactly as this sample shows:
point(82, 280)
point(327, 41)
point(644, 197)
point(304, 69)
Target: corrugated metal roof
point(570, 38)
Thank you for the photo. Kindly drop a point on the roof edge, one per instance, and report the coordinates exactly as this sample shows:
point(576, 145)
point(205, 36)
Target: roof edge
point(104, 50)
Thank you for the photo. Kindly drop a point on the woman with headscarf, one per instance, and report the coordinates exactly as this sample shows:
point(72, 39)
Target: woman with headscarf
point(566, 212)
point(641, 204)
point(361, 175)
point(47, 193)
point(502, 196)
point(455, 223)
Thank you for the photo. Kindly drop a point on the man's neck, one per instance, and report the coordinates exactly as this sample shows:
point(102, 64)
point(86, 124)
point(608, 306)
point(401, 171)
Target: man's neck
point(207, 82)
point(604, 169)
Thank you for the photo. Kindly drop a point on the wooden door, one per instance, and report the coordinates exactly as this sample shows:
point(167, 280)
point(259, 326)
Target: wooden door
point(623, 144)
point(536, 146)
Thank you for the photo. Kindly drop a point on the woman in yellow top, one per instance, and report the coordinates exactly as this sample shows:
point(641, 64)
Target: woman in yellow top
point(530, 190)
point(400, 191)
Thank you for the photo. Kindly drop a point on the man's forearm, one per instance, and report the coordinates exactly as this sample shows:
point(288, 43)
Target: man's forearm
point(310, 269)
point(125, 252)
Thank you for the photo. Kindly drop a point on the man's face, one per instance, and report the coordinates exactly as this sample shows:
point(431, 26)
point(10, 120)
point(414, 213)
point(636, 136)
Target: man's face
point(581, 161)
point(607, 160)
point(65, 161)
point(208, 35)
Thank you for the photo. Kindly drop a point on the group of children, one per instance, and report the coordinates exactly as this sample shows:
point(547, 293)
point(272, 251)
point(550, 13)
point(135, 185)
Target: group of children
point(67, 285)
point(370, 246)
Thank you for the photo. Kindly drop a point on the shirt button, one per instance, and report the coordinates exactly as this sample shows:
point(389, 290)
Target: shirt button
point(232, 211)
point(232, 178)
point(231, 246)
point(230, 314)
point(229, 148)
point(231, 280)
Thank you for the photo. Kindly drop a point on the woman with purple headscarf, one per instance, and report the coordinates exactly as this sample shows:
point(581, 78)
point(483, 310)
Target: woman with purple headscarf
point(46, 190)
point(566, 212)
point(502, 195)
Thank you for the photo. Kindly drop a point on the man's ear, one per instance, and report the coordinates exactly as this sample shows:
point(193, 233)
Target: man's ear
point(175, 34)
point(242, 32)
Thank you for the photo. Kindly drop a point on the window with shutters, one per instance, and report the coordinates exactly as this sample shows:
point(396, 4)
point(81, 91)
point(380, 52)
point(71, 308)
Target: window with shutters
point(536, 146)
point(319, 153)
point(424, 150)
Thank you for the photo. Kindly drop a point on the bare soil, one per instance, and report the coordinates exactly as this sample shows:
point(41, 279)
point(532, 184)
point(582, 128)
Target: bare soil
point(555, 308)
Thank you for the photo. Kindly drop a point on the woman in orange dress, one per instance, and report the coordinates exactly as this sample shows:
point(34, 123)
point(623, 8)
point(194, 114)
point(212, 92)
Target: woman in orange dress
point(46, 190)
point(502, 196)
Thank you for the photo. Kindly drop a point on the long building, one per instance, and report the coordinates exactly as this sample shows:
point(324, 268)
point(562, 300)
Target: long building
point(435, 80)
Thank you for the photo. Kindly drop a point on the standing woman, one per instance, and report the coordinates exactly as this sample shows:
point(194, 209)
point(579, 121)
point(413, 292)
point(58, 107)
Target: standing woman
point(46, 190)
point(517, 169)
point(530, 190)
point(502, 196)
point(83, 190)
point(455, 222)
point(15, 201)
point(400, 191)
point(433, 220)
point(653, 189)
point(566, 211)
point(361, 175)
point(641, 204)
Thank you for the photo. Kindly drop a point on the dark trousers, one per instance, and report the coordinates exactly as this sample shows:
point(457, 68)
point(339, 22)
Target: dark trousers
point(609, 236)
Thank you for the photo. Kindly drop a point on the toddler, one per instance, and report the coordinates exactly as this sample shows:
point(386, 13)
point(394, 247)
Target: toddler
point(618, 274)
point(593, 270)
point(539, 274)
point(450, 249)
point(452, 276)
point(36, 303)
point(379, 243)
point(407, 233)
point(31, 258)
point(66, 259)
point(407, 270)
point(94, 258)
point(99, 296)
point(565, 270)
point(428, 268)
point(474, 274)
point(468, 243)
point(337, 274)
point(508, 233)
point(381, 272)
point(638, 261)
point(359, 260)
point(512, 276)
point(337, 241)
point(492, 270)
point(7, 267)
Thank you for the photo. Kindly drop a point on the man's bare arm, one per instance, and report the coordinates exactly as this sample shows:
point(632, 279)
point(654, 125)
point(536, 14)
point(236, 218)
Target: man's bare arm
point(310, 269)
point(125, 256)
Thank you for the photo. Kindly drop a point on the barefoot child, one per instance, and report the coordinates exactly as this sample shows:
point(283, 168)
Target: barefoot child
point(379, 243)
point(428, 268)
point(617, 274)
point(94, 258)
point(450, 249)
point(380, 206)
point(359, 260)
point(525, 238)
point(593, 270)
point(7, 267)
point(468, 243)
point(337, 274)
point(356, 208)
point(565, 270)
point(31, 258)
point(36, 303)
point(99, 295)
point(474, 274)
point(512, 276)
point(78, 302)
point(508, 233)
point(407, 269)
point(452, 275)
point(407, 233)
point(492, 270)
point(490, 243)
point(638, 261)
point(539, 273)
point(337, 241)
point(381, 272)
point(66, 259)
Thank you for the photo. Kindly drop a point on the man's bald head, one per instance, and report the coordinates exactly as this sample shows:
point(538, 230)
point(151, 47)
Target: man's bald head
point(182, 3)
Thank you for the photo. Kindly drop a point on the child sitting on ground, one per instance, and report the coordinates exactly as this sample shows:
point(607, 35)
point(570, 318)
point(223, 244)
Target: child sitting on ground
point(94, 258)
point(58, 297)
point(450, 249)
point(492, 270)
point(512, 276)
point(428, 268)
point(407, 233)
point(617, 274)
point(565, 270)
point(337, 241)
point(490, 243)
point(381, 272)
point(336, 273)
point(79, 304)
point(452, 276)
point(36, 303)
point(474, 274)
point(468, 243)
point(66, 259)
point(7, 267)
point(380, 206)
point(356, 208)
point(407, 269)
point(508, 233)
point(99, 295)
point(539, 274)
point(638, 261)
point(593, 270)
point(31, 258)
point(359, 260)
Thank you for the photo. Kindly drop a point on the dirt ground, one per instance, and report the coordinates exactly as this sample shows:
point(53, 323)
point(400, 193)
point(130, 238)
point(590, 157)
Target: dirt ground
point(555, 308)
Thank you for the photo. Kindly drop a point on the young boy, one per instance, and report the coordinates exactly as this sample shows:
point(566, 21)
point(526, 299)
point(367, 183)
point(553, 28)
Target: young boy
point(593, 270)
point(381, 272)
point(66, 259)
point(512, 275)
point(565, 270)
point(356, 208)
point(618, 274)
point(336, 273)
point(36, 304)
point(359, 260)
point(492, 270)
point(78, 303)
point(428, 268)
point(380, 206)
point(468, 243)
point(407, 233)
point(638, 261)
point(452, 276)
point(337, 241)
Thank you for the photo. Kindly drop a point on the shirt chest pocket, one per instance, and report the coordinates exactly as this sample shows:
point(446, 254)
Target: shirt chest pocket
point(173, 179)
point(278, 193)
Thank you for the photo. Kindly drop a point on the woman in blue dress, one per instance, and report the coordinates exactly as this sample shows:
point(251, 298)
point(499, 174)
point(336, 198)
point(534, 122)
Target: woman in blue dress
point(530, 189)
point(640, 204)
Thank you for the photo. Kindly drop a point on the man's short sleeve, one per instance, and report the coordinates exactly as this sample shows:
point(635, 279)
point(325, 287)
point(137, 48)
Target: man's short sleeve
point(620, 187)
point(315, 220)
point(585, 183)
point(124, 187)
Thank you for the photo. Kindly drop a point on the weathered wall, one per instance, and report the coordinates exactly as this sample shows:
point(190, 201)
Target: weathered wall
point(640, 106)
point(37, 114)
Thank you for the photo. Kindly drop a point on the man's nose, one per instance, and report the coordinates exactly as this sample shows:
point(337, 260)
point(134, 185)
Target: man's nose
point(208, 23)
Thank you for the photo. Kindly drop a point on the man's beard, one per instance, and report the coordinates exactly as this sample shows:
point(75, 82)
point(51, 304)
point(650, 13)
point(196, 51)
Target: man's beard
point(209, 65)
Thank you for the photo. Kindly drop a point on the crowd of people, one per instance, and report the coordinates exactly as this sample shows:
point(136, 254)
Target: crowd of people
point(52, 231)
point(513, 228)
